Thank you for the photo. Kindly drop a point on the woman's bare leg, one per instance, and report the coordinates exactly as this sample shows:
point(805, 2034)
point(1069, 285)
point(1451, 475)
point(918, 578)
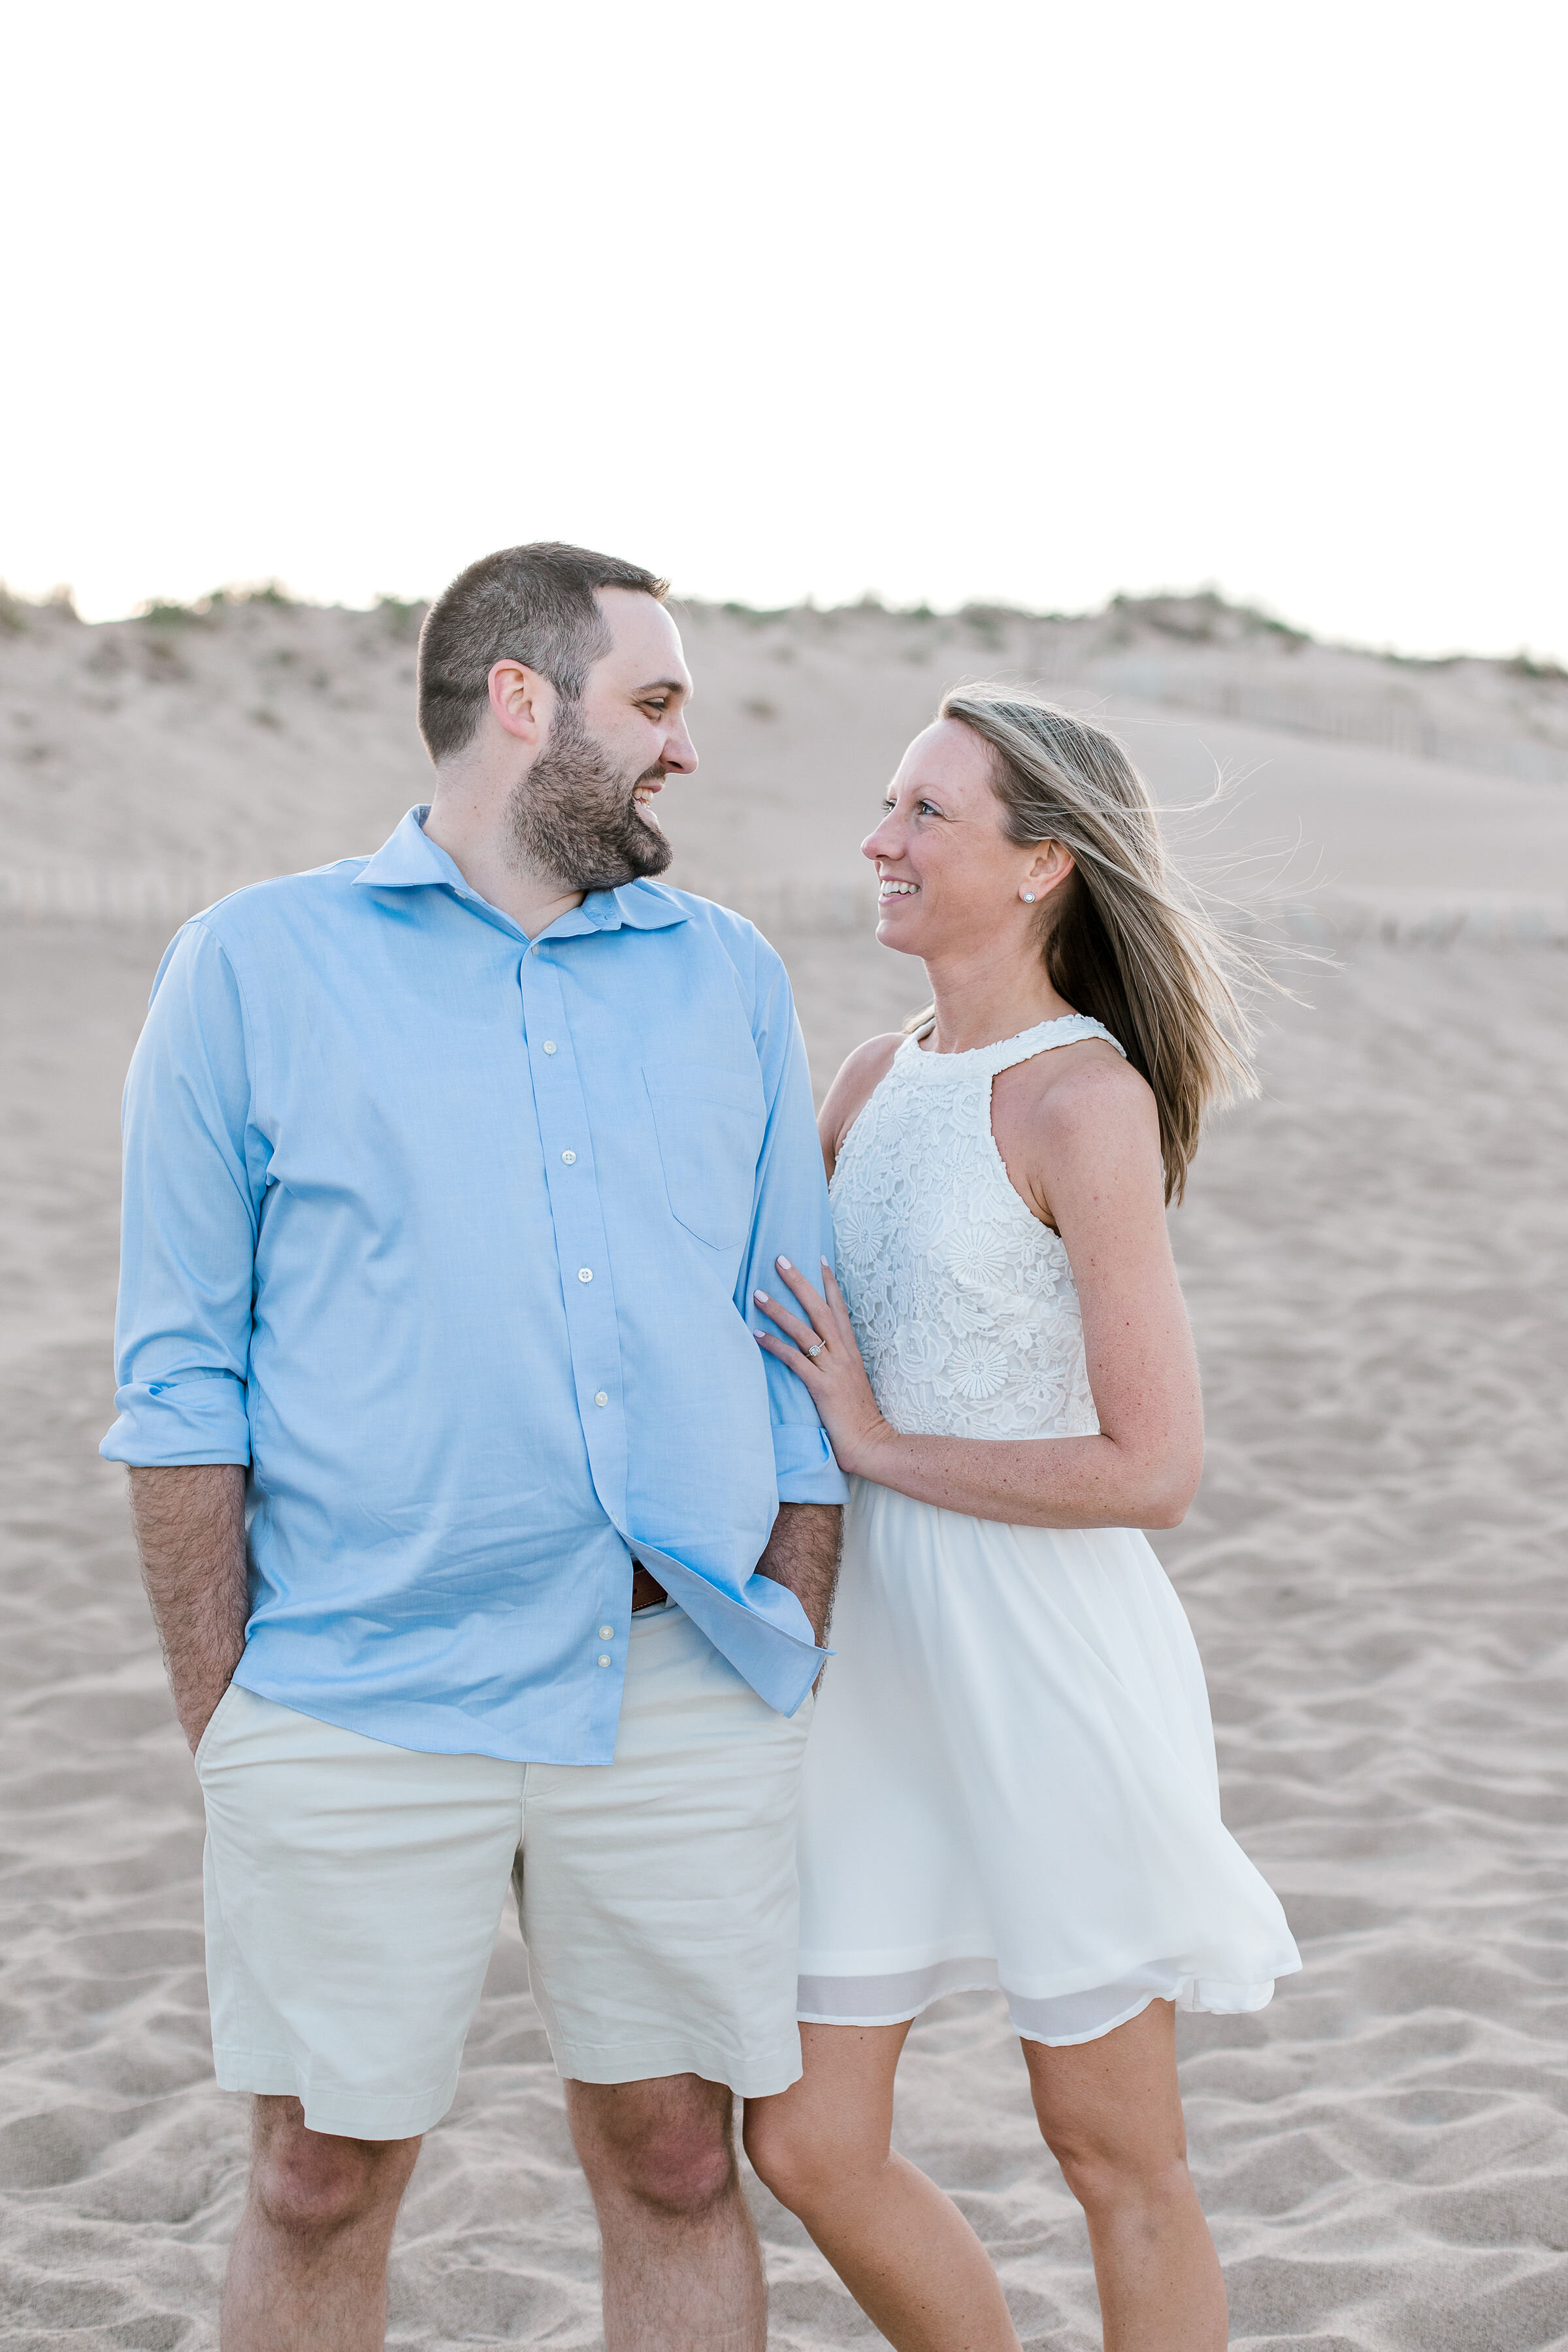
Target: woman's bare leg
point(903, 2250)
point(1111, 2114)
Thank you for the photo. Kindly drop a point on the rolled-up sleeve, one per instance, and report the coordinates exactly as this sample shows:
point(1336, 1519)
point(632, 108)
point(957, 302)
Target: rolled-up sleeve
point(181, 1334)
point(791, 1218)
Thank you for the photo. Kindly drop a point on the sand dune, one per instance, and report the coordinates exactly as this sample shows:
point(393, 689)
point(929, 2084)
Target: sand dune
point(1375, 1257)
point(155, 763)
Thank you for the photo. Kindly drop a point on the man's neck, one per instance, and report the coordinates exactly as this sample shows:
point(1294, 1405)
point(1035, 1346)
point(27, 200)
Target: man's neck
point(467, 831)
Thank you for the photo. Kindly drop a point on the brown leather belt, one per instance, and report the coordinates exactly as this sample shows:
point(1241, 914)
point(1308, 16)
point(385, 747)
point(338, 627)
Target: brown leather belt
point(647, 1590)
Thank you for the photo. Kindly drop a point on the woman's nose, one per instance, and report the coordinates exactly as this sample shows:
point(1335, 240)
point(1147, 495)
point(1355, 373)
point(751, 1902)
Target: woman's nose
point(879, 844)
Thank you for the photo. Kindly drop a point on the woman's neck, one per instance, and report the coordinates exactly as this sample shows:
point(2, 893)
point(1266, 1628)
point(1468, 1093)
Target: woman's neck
point(980, 999)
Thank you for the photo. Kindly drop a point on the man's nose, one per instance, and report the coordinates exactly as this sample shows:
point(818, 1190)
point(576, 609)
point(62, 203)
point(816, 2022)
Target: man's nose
point(679, 750)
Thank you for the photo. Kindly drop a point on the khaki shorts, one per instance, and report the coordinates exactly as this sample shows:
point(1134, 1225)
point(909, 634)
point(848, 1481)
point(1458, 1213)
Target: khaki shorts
point(353, 1890)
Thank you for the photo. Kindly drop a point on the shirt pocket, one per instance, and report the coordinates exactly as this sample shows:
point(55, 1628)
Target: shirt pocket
point(709, 1126)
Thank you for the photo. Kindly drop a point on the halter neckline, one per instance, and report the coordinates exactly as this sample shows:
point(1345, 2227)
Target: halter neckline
point(1023, 1047)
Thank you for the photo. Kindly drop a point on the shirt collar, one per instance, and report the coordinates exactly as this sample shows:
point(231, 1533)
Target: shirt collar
point(410, 860)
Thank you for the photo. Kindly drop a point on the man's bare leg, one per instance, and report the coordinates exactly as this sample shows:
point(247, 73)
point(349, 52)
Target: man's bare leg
point(308, 2273)
point(683, 2271)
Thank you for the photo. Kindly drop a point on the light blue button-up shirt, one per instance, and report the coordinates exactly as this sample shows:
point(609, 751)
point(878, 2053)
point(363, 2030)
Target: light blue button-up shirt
point(450, 1236)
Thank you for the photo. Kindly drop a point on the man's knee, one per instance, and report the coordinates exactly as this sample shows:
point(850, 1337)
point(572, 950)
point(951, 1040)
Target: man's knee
point(315, 2184)
point(681, 2168)
point(669, 2144)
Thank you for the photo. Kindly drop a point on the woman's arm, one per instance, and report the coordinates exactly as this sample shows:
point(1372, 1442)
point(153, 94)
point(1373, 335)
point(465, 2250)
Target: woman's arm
point(851, 1091)
point(1093, 1152)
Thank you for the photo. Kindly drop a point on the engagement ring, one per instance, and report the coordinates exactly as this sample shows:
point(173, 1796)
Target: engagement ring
point(813, 1353)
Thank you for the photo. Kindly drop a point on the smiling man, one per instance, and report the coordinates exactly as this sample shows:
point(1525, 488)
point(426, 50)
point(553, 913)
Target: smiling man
point(486, 1547)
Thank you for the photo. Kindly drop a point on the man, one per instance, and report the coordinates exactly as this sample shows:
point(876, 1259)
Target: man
point(484, 1542)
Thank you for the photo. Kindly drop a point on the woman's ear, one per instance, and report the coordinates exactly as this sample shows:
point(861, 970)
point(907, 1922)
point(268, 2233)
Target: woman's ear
point(1048, 869)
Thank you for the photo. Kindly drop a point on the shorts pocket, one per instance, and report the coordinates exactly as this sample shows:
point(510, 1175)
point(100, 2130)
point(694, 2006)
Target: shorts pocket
point(709, 1125)
point(201, 1746)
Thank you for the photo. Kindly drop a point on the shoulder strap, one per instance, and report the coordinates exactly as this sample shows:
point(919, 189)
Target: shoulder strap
point(1067, 1031)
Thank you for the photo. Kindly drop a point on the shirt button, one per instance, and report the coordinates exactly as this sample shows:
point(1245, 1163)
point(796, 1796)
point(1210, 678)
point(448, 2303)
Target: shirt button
point(603, 1397)
point(570, 1159)
point(585, 1274)
point(606, 1633)
point(550, 1045)
point(603, 1660)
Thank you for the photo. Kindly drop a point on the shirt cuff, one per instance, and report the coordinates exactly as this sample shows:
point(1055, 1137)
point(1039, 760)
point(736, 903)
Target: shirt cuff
point(179, 1423)
point(803, 1464)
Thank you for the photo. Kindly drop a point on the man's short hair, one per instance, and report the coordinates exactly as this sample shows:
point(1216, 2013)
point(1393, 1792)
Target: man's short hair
point(534, 605)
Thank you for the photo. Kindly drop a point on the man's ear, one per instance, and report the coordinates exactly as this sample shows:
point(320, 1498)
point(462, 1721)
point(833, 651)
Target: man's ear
point(522, 701)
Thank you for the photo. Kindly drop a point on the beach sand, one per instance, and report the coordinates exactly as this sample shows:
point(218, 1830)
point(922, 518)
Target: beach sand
point(1374, 1257)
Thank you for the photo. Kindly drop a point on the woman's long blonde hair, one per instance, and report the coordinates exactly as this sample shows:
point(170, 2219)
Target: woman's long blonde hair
point(1124, 938)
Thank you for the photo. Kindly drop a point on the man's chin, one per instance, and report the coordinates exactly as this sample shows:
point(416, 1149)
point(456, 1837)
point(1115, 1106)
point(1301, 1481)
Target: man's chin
point(637, 861)
point(645, 841)
point(649, 849)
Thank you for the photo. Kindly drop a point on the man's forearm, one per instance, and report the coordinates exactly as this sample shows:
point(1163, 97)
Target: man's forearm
point(802, 1552)
point(190, 1533)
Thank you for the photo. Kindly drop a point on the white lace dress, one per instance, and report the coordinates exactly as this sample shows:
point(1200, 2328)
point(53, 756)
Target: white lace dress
point(1011, 1776)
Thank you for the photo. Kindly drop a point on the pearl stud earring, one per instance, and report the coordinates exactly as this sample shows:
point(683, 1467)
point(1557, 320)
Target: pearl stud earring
point(1028, 897)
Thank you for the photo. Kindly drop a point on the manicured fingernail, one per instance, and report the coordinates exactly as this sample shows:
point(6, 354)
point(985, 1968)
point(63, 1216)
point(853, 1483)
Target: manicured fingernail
point(783, 1264)
point(760, 1297)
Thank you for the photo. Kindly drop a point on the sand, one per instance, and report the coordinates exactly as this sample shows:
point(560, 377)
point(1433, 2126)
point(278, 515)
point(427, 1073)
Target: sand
point(149, 765)
point(1374, 1257)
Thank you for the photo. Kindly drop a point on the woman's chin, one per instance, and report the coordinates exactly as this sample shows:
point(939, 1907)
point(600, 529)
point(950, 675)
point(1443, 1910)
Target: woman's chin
point(897, 928)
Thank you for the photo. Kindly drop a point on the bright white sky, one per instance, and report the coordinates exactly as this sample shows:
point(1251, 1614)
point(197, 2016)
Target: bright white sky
point(940, 298)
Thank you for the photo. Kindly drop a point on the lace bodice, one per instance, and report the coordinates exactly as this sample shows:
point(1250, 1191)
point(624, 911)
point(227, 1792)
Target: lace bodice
point(964, 1303)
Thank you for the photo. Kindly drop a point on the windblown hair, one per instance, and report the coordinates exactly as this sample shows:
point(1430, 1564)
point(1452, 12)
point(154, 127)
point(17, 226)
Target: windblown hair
point(534, 605)
point(1124, 938)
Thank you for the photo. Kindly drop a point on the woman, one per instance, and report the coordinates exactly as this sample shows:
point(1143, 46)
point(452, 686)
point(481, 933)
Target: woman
point(1011, 1779)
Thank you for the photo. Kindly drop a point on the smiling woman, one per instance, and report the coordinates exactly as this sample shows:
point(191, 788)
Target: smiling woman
point(1011, 1781)
point(1119, 936)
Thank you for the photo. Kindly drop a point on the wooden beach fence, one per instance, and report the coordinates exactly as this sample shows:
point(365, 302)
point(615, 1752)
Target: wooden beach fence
point(162, 897)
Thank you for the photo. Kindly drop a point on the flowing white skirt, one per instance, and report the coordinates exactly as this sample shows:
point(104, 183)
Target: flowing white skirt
point(1011, 1781)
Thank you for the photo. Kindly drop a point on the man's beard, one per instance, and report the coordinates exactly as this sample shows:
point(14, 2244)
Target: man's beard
point(572, 817)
